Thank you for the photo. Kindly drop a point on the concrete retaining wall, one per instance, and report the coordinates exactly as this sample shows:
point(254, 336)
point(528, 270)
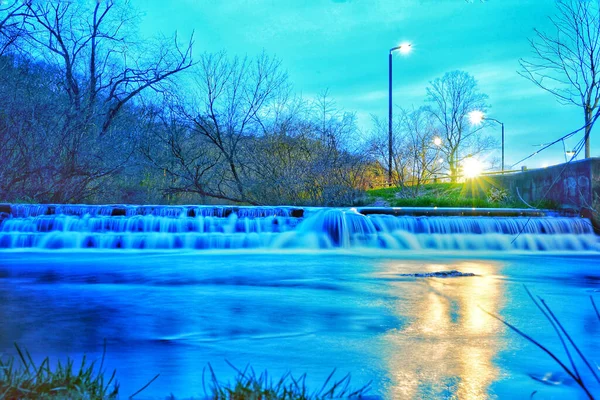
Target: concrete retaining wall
point(573, 186)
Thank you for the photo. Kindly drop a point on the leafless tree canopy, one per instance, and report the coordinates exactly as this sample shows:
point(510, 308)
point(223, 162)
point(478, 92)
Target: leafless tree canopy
point(13, 21)
point(451, 99)
point(241, 137)
point(416, 157)
point(566, 61)
point(431, 141)
point(90, 112)
point(88, 71)
point(102, 67)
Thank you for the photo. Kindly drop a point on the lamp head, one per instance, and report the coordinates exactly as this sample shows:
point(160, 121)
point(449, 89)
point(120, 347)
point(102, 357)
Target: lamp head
point(476, 117)
point(405, 48)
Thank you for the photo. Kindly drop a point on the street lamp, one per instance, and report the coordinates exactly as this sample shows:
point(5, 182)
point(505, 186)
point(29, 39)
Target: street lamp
point(404, 49)
point(477, 117)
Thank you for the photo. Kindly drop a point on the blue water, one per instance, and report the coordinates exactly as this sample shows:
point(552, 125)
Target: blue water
point(276, 228)
point(173, 288)
point(359, 311)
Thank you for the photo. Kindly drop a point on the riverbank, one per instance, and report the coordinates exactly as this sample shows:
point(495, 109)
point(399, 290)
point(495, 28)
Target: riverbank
point(448, 195)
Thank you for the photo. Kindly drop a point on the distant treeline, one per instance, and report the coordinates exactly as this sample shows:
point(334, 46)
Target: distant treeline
point(91, 113)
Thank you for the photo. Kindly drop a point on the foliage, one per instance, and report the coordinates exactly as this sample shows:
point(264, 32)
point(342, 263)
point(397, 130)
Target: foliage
point(26, 380)
point(497, 195)
point(31, 381)
point(416, 156)
point(72, 77)
point(448, 195)
point(260, 148)
point(248, 385)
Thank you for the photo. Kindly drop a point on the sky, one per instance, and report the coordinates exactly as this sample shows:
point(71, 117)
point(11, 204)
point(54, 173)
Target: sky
point(343, 45)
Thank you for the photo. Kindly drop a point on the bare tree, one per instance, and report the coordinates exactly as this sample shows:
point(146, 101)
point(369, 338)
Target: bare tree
point(186, 162)
point(423, 147)
point(452, 98)
point(416, 154)
point(13, 19)
point(566, 62)
point(232, 97)
point(103, 68)
point(98, 72)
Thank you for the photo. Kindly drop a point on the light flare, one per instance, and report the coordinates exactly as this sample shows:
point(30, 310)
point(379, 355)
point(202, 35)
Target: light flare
point(405, 48)
point(472, 167)
point(476, 117)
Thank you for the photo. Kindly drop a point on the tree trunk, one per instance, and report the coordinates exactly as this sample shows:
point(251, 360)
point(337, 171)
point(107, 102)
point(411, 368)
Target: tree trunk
point(588, 129)
point(453, 167)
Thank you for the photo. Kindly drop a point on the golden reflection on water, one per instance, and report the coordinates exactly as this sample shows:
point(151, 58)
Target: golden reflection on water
point(447, 345)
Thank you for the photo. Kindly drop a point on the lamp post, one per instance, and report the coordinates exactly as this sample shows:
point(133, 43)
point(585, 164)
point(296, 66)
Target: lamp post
point(476, 118)
point(404, 49)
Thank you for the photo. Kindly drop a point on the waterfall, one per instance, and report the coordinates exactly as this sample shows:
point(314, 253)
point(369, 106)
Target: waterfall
point(230, 227)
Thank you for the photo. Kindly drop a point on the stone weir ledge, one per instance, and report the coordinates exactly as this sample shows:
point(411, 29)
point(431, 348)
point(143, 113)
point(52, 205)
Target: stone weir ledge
point(32, 210)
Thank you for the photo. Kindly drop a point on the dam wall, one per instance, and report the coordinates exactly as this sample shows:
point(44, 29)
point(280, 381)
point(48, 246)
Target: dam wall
point(573, 186)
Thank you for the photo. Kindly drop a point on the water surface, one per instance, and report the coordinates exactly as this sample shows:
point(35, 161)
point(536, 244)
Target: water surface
point(359, 311)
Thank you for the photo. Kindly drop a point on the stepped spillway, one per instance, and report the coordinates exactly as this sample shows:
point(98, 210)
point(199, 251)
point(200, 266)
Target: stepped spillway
point(228, 227)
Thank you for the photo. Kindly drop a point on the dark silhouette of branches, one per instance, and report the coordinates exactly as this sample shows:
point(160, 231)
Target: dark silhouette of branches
point(566, 63)
point(81, 129)
point(13, 23)
point(567, 342)
point(452, 98)
point(94, 53)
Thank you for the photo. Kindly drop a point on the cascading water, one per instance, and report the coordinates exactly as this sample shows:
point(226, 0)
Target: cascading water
point(227, 227)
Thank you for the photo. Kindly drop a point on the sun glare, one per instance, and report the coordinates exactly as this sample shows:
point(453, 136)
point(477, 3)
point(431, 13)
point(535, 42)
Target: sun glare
point(472, 167)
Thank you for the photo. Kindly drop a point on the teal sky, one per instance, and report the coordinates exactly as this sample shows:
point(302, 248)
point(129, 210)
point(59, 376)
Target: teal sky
point(342, 45)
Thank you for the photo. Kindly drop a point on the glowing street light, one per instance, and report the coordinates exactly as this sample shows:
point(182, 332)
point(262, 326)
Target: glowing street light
point(437, 141)
point(404, 48)
point(477, 118)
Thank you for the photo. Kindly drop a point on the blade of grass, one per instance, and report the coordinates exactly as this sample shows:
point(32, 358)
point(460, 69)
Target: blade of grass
point(575, 371)
point(581, 355)
point(543, 348)
point(595, 308)
point(145, 386)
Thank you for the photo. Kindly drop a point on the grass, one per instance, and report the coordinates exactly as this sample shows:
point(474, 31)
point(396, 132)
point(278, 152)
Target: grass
point(21, 378)
point(570, 347)
point(249, 385)
point(448, 195)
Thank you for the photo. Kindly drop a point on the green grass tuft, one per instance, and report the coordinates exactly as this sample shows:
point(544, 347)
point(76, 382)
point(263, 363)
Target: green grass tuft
point(249, 385)
point(26, 380)
point(21, 378)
